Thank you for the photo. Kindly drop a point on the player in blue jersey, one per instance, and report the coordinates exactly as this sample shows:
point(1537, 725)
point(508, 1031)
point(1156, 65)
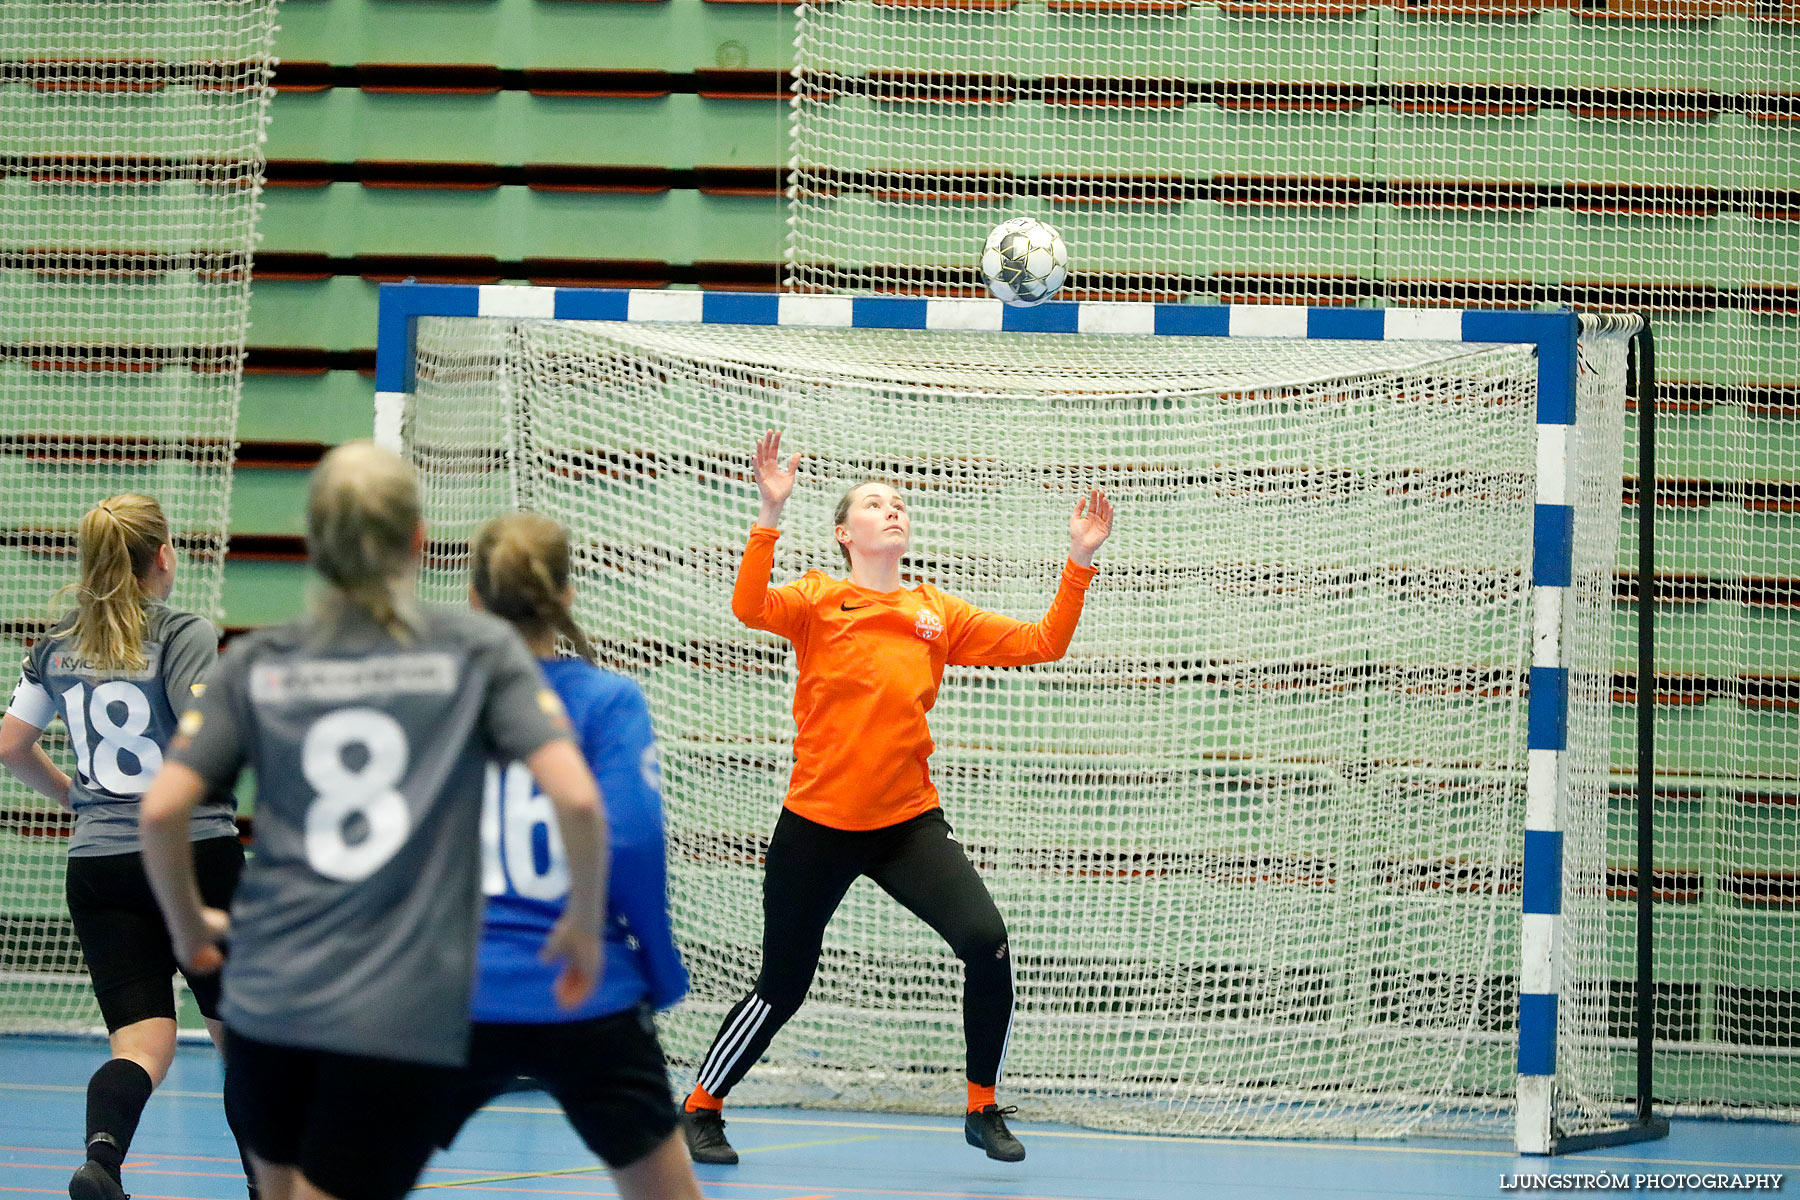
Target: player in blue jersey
point(119, 669)
point(601, 1061)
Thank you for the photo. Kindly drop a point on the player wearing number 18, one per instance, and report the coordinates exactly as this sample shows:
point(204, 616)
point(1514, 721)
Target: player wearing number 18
point(369, 725)
point(119, 669)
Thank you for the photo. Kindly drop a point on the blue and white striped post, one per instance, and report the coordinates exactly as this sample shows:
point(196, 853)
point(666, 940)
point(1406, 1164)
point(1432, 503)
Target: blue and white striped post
point(1552, 572)
point(1555, 336)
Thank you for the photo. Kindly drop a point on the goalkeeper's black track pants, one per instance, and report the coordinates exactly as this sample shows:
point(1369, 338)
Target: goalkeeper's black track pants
point(918, 862)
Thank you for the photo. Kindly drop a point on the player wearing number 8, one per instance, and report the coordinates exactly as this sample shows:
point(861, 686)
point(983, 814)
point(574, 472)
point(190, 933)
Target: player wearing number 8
point(369, 725)
point(119, 668)
point(601, 1061)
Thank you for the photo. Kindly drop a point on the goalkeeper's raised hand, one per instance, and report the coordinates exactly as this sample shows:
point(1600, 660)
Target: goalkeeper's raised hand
point(1089, 527)
point(774, 483)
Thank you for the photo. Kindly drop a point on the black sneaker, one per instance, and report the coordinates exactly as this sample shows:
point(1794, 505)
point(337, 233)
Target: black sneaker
point(986, 1130)
point(704, 1129)
point(92, 1181)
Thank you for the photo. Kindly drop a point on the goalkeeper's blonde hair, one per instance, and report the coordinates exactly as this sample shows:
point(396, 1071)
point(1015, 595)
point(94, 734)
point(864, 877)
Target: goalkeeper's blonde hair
point(362, 510)
point(117, 542)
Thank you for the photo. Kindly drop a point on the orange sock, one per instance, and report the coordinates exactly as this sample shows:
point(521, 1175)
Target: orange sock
point(980, 1097)
point(701, 1098)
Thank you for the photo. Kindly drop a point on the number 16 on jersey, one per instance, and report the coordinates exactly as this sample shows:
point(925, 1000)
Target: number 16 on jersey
point(521, 851)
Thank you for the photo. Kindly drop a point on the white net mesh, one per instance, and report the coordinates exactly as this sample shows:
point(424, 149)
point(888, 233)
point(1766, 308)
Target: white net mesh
point(1595, 1064)
point(130, 141)
point(1608, 154)
point(1257, 837)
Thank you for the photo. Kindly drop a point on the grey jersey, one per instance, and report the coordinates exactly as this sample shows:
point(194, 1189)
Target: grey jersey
point(119, 721)
point(354, 927)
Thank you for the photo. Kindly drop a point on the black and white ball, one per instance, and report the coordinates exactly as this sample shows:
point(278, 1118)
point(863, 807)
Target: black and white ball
point(1024, 261)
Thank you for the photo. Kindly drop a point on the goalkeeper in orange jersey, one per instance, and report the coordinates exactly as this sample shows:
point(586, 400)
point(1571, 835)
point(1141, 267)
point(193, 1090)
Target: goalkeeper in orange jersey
point(870, 656)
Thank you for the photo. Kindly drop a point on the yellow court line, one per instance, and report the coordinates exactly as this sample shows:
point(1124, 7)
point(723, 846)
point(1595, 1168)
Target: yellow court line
point(70, 1087)
point(160, 1156)
point(484, 1179)
point(450, 1183)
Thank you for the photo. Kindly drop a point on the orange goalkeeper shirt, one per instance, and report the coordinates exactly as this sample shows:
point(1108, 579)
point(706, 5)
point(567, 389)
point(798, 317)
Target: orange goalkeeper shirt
point(869, 666)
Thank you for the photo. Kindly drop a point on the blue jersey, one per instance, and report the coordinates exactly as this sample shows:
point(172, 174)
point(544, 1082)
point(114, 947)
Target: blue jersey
point(525, 871)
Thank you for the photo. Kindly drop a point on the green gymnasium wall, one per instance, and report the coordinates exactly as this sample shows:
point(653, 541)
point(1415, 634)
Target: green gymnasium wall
point(625, 143)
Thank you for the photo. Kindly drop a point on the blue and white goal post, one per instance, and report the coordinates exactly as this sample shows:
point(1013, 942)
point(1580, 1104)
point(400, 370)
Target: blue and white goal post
point(1539, 877)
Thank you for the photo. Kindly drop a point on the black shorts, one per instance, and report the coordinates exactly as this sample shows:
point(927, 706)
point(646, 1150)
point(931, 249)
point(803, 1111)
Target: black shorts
point(123, 936)
point(608, 1074)
point(357, 1128)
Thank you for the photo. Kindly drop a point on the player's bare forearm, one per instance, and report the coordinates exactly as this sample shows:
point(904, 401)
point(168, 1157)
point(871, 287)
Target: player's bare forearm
point(575, 939)
point(25, 758)
point(584, 840)
point(33, 768)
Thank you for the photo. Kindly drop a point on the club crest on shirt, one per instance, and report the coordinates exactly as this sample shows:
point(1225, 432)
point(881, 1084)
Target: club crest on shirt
point(552, 706)
point(190, 724)
point(928, 625)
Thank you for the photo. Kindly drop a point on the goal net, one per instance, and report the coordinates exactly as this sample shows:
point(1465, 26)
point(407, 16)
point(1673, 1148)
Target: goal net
point(1257, 837)
point(130, 134)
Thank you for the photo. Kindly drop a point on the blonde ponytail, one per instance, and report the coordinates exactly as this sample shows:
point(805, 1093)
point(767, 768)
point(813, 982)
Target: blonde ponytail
point(520, 569)
point(362, 510)
point(117, 542)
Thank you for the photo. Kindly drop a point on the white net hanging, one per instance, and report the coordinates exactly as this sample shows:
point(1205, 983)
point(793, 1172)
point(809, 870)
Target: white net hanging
point(130, 141)
point(1256, 838)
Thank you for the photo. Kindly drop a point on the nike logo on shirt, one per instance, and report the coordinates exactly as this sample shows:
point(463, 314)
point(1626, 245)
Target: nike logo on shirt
point(854, 607)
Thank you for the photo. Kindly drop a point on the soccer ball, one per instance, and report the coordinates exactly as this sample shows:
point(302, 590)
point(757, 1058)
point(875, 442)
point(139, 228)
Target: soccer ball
point(1024, 261)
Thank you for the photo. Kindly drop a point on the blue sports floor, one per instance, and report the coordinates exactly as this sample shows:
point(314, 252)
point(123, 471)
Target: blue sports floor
point(520, 1149)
